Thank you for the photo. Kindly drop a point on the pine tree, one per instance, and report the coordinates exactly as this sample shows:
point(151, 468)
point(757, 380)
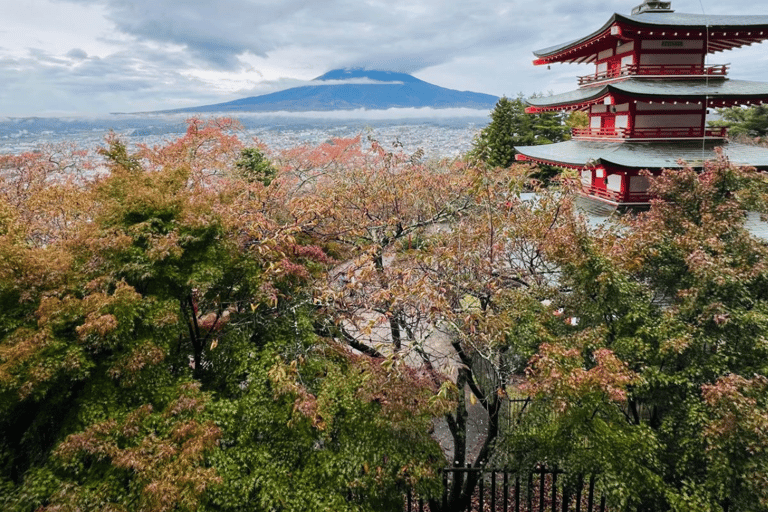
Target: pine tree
point(510, 126)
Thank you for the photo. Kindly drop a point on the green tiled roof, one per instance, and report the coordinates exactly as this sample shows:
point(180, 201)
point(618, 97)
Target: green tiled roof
point(644, 155)
point(668, 19)
point(662, 88)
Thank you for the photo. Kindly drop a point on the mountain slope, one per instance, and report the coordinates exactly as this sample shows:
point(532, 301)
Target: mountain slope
point(366, 89)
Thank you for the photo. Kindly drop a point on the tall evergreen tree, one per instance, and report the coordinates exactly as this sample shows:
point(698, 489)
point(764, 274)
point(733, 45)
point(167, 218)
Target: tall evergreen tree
point(510, 126)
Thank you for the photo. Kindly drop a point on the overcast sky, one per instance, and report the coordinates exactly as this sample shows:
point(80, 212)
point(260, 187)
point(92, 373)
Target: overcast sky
point(64, 57)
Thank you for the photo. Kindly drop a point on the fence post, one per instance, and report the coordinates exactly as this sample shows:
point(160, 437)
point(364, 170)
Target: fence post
point(530, 492)
point(493, 491)
point(566, 496)
point(481, 487)
point(445, 489)
point(579, 491)
point(554, 489)
point(506, 491)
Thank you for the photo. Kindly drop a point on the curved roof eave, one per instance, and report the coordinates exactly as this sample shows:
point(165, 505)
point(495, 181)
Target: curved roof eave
point(717, 22)
point(655, 88)
point(553, 50)
point(642, 155)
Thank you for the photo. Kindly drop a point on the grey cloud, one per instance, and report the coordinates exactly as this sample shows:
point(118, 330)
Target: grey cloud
point(77, 54)
point(426, 33)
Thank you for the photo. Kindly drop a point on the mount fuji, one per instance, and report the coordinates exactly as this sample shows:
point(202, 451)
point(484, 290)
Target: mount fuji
point(353, 89)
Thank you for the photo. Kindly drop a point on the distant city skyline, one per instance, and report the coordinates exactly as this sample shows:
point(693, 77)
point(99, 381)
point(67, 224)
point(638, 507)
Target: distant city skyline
point(89, 57)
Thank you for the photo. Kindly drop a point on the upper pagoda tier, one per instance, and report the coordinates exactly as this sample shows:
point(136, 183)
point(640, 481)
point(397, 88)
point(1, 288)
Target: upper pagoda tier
point(659, 28)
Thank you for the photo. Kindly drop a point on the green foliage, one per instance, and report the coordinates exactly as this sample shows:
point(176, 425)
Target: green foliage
point(744, 121)
point(159, 352)
point(159, 343)
point(510, 126)
point(670, 310)
point(254, 166)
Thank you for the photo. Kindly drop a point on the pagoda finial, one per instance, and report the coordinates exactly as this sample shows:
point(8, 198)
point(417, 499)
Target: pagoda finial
point(653, 6)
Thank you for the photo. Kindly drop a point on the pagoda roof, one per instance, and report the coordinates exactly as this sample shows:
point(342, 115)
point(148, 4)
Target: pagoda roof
point(719, 91)
point(724, 32)
point(642, 155)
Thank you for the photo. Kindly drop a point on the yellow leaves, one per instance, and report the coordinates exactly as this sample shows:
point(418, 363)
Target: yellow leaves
point(165, 247)
point(675, 344)
point(97, 325)
point(563, 374)
point(128, 367)
point(163, 453)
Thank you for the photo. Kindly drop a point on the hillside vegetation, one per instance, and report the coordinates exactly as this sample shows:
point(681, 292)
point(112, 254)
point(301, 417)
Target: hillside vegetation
point(208, 325)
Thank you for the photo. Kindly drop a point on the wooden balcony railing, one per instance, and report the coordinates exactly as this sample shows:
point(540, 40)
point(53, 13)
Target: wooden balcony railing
point(614, 197)
point(649, 133)
point(676, 70)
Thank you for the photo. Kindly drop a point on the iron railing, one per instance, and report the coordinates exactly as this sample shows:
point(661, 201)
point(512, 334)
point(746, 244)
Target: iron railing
point(543, 489)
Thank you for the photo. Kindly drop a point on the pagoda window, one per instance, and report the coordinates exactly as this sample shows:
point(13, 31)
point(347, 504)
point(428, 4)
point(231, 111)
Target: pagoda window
point(638, 184)
point(668, 121)
point(686, 59)
point(627, 60)
point(613, 182)
point(605, 54)
point(625, 48)
point(622, 122)
point(586, 177)
point(594, 122)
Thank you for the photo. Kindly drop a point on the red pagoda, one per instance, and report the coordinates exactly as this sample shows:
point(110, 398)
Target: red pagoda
point(648, 97)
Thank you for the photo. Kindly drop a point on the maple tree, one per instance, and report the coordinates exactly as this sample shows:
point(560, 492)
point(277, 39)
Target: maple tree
point(144, 333)
point(208, 325)
point(668, 318)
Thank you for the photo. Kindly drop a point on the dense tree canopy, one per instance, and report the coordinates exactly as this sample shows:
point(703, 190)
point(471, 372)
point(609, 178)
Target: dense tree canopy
point(158, 346)
point(208, 326)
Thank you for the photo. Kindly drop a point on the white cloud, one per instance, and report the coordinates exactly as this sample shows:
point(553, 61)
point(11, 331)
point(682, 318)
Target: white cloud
point(136, 55)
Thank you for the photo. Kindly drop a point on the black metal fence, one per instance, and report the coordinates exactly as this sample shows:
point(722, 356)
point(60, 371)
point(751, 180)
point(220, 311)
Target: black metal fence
point(541, 490)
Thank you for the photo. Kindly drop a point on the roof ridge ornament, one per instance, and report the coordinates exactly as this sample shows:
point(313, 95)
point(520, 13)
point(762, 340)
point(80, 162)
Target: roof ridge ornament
point(652, 6)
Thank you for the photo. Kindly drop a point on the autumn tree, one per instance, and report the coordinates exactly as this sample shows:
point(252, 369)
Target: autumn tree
point(668, 317)
point(442, 270)
point(159, 352)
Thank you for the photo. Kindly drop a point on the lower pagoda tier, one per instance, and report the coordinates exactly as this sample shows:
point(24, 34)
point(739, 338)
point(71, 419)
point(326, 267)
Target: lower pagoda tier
point(611, 171)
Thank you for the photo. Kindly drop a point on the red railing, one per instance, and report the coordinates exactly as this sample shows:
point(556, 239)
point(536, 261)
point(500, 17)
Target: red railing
point(615, 197)
point(678, 70)
point(613, 133)
point(649, 133)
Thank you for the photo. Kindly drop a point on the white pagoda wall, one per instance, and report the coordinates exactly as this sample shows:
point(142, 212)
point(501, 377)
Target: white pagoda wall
point(671, 52)
point(668, 115)
point(658, 59)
